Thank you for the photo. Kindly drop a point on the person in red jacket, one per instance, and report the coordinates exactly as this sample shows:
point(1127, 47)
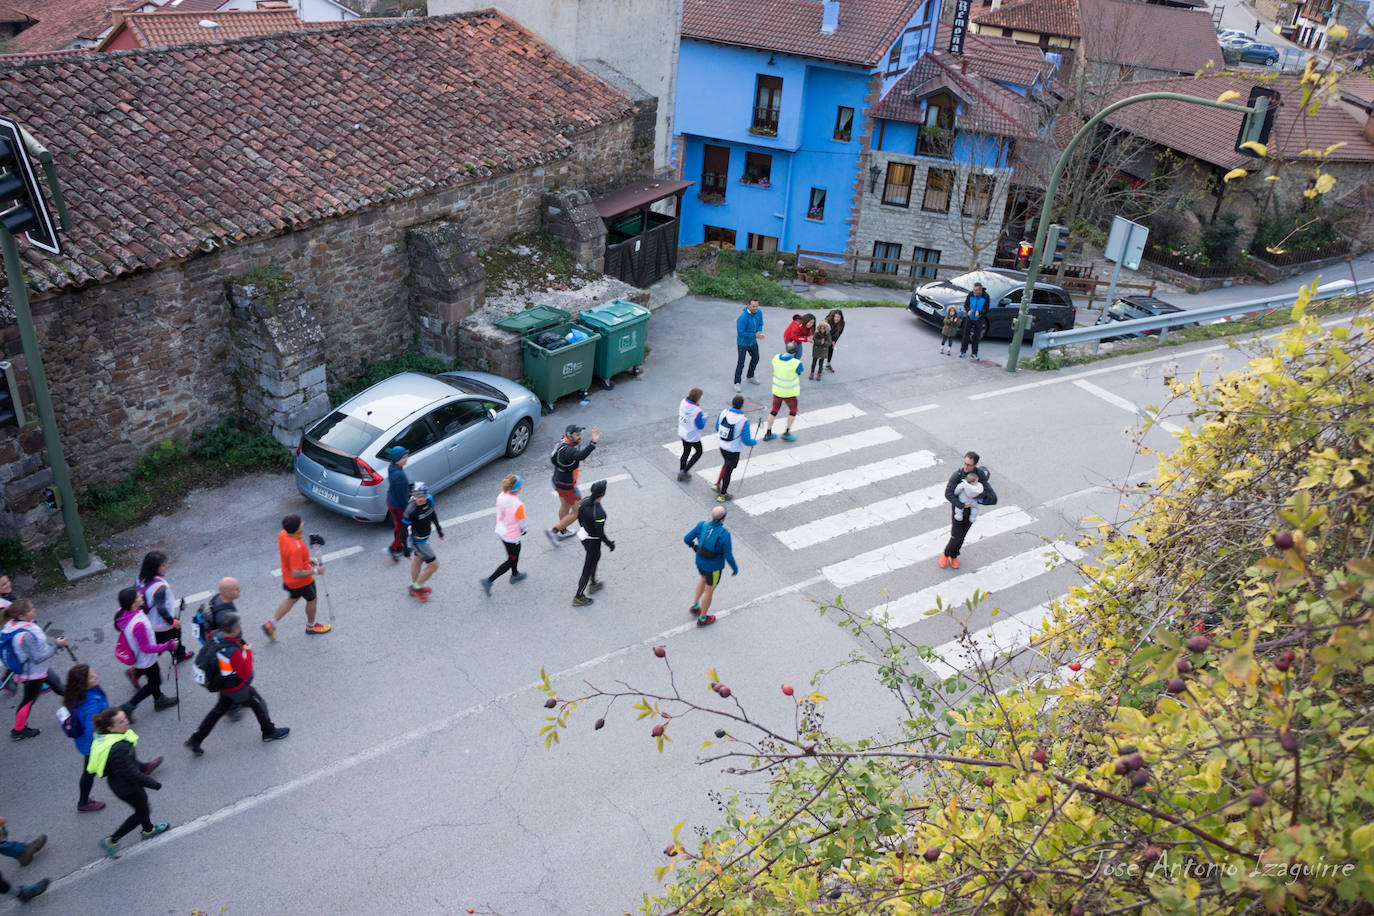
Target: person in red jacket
point(799, 333)
point(235, 659)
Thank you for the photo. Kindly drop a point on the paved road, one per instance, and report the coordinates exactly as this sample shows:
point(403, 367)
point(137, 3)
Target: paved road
point(414, 779)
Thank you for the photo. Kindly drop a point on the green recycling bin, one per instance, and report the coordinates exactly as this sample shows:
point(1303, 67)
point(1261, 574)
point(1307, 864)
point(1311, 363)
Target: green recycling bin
point(623, 327)
point(553, 373)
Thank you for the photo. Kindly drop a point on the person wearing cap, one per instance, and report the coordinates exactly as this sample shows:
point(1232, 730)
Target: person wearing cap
point(567, 459)
point(510, 528)
point(397, 496)
point(592, 517)
point(418, 518)
point(787, 370)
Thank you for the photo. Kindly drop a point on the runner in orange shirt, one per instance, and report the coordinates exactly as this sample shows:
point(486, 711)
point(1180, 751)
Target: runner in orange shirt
point(298, 572)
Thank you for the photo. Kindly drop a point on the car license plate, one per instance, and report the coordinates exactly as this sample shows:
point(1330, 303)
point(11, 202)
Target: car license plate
point(322, 493)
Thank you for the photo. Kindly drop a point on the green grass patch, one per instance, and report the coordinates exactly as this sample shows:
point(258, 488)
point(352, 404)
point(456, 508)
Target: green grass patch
point(341, 390)
point(745, 275)
point(1058, 358)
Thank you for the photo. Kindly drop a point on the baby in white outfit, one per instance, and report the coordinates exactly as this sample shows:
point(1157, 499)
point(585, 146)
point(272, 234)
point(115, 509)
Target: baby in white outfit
point(968, 492)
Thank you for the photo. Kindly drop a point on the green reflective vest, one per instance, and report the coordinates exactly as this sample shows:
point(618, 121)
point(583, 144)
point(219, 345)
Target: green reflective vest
point(786, 376)
point(100, 749)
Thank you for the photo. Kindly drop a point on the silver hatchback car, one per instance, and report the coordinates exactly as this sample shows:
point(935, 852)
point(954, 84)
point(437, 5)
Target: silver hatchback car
point(451, 424)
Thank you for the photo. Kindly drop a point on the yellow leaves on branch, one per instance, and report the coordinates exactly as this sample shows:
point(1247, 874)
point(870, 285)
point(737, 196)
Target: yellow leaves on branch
point(1323, 183)
point(1235, 173)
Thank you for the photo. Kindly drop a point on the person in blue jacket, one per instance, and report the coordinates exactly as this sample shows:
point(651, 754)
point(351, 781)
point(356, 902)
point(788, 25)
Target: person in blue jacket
point(748, 333)
point(397, 498)
point(84, 699)
point(711, 542)
point(975, 307)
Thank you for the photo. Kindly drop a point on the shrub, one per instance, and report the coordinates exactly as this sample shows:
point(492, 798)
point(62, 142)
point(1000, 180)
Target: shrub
point(1218, 238)
point(1294, 232)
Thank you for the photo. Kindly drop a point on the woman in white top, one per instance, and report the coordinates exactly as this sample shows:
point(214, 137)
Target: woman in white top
point(690, 422)
point(510, 528)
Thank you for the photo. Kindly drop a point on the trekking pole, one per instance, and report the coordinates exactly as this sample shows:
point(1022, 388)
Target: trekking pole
point(745, 469)
point(67, 647)
point(176, 659)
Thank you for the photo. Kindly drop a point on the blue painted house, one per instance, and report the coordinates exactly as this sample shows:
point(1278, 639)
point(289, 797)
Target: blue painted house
point(772, 115)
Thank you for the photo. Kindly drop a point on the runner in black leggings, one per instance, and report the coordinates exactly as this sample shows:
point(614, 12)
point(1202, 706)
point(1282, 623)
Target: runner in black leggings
point(592, 518)
point(112, 755)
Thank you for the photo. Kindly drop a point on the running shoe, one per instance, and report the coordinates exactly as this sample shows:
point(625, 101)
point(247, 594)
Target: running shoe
point(695, 610)
point(954, 561)
point(738, 389)
point(111, 847)
point(754, 381)
point(788, 437)
point(944, 561)
point(418, 594)
point(518, 577)
point(724, 498)
point(595, 586)
point(486, 586)
point(31, 848)
point(581, 601)
point(161, 703)
point(90, 806)
point(706, 621)
point(715, 487)
point(151, 765)
point(157, 828)
point(829, 368)
point(684, 475)
point(194, 748)
point(270, 629)
point(769, 437)
point(276, 735)
point(317, 628)
point(30, 891)
point(564, 535)
point(394, 554)
point(552, 535)
point(19, 734)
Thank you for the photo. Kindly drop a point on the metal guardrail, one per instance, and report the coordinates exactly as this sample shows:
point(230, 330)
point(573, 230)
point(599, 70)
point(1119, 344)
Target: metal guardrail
point(1162, 323)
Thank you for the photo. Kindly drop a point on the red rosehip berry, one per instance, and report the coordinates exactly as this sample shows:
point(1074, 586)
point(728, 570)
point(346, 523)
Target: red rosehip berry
point(787, 690)
point(658, 731)
point(660, 651)
point(1198, 643)
point(1283, 540)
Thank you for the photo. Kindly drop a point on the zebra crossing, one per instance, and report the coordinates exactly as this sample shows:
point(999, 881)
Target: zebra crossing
point(875, 529)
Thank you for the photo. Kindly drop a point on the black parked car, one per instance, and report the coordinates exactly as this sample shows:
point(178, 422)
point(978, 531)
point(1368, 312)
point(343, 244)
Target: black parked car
point(1126, 308)
point(1051, 308)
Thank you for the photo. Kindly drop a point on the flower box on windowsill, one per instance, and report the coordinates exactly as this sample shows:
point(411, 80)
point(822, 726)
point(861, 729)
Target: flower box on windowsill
point(711, 199)
point(764, 131)
point(843, 138)
point(816, 214)
point(750, 183)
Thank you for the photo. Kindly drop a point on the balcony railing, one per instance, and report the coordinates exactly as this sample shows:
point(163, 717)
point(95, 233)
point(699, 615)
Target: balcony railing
point(765, 121)
point(936, 142)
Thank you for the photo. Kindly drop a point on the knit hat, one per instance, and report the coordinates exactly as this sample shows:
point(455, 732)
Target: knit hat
point(397, 453)
point(599, 489)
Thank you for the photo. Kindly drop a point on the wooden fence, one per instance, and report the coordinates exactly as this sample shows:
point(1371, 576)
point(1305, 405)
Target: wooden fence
point(1078, 277)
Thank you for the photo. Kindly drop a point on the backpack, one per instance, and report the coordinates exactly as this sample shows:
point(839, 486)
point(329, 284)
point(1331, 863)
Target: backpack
point(708, 553)
point(124, 653)
point(9, 654)
point(206, 671)
point(71, 725)
point(205, 621)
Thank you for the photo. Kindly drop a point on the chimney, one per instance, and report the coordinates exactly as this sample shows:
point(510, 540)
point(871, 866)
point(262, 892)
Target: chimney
point(120, 11)
point(830, 17)
point(996, 5)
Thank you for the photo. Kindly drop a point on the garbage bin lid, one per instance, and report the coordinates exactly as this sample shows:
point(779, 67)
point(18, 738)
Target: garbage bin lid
point(614, 313)
point(533, 319)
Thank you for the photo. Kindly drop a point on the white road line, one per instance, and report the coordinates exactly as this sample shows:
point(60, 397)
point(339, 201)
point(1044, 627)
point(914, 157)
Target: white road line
point(487, 513)
point(367, 755)
point(996, 576)
point(809, 420)
point(1165, 357)
point(791, 456)
point(1100, 488)
point(197, 597)
point(925, 546)
point(1003, 635)
point(329, 557)
point(858, 519)
point(1117, 400)
point(839, 482)
point(911, 410)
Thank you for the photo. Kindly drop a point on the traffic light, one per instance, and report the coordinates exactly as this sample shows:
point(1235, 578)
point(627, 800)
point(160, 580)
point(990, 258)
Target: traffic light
point(1023, 253)
point(1257, 125)
point(11, 413)
point(1057, 242)
point(22, 208)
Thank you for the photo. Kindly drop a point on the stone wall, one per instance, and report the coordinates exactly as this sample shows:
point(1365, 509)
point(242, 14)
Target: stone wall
point(146, 357)
point(948, 233)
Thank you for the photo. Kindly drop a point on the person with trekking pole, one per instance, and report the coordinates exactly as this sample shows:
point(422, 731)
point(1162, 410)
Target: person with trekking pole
point(135, 647)
point(732, 431)
point(26, 651)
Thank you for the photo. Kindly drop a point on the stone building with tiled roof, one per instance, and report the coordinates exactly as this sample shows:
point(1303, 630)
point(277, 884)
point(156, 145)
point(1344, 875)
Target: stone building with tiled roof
point(60, 25)
point(772, 113)
point(941, 165)
point(335, 164)
point(1206, 138)
point(165, 30)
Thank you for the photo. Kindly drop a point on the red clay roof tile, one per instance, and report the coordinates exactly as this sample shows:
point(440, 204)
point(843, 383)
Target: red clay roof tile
point(1148, 35)
point(161, 29)
point(168, 152)
point(62, 24)
point(867, 28)
point(1043, 17)
point(989, 108)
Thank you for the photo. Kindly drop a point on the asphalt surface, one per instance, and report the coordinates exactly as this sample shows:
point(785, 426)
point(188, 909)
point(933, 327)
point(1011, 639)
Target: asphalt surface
point(415, 778)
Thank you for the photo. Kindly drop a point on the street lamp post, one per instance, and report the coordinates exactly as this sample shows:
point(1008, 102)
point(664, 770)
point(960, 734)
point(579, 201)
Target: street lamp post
point(1042, 226)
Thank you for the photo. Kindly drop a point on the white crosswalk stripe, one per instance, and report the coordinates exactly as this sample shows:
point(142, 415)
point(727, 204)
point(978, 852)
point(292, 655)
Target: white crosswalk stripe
point(792, 456)
point(816, 487)
point(863, 517)
point(809, 420)
point(1004, 635)
point(995, 576)
point(927, 546)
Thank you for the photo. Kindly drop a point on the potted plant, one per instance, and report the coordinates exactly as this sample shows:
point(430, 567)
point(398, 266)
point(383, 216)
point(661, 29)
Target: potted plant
point(815, 213)
point(818, 276)
point(763, 131)
point(842, 136)
point(711, 198)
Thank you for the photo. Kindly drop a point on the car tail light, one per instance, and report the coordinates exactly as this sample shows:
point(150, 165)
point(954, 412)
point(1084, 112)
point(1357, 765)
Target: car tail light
point(370, 477)
point(300, 443)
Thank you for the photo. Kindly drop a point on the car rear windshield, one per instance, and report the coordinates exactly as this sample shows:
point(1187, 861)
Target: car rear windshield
point(337, 440)
point(471, 386)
